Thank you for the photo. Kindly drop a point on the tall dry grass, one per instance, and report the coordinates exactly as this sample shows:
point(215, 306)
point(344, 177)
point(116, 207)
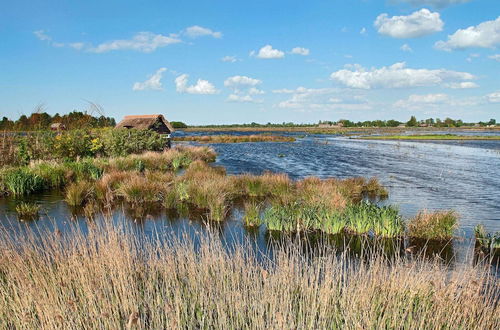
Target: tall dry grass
point(111, 279)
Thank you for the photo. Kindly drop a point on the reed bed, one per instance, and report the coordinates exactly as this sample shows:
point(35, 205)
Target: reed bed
point(438, 225)
point(110, 279)
point(489, 242)
point(235, 138)
point(27, 211)
point(44, 175)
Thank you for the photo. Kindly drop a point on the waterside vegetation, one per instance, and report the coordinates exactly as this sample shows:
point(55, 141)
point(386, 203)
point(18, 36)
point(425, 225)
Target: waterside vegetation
point(110, 278)
point(235, 138)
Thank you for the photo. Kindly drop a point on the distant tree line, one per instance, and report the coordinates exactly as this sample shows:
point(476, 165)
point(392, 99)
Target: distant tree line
point(447, 122)
point(42, 121)
point(413, 122)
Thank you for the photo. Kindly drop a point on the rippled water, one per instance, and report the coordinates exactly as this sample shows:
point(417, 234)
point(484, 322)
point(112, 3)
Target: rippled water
point(459, 175)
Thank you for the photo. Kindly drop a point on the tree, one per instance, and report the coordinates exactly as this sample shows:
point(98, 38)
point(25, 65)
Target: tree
point(412, 122)
point(492, 122)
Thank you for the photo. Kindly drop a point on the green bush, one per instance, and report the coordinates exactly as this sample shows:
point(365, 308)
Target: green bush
point(122, 142)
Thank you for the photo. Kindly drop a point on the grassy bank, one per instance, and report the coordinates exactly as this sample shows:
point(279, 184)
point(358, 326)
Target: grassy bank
point(431, 137)
point(235, 138)
point(112, 279)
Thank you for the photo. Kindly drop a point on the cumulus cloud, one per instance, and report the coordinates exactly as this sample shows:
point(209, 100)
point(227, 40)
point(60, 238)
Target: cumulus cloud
point(493, 97)
point(243, 88)
point(396, 76)
point(321, 99)
point(484, 35)
point(300, 51)
point(495, 57)
point(462, 85)
point(362, 31)
point(268, 52)
point(145, 42)
point(420, 23)
point(437, 101)
point(153, 82)
point(241, 81)
point(229, 59)
point(196, 31)
point(201, 86)
point(242, 99)
point(434, 3)
point(406, 48)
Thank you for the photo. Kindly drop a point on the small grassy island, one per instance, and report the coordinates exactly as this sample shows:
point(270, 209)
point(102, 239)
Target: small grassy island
point(235, 138)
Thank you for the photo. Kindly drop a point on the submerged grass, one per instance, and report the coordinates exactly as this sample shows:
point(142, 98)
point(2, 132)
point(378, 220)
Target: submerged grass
point(111, 279)
point(27, 211)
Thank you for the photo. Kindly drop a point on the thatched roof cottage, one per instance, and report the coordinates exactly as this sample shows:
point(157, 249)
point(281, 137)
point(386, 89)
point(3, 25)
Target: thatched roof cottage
point(157, 123)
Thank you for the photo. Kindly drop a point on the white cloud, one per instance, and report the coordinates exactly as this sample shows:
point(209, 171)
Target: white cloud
point(153, 82)
point(238, 82)
point(321, 99)
point(77, 45)
point(201, 86)
point(362, 31)
point(300, 51)
point(146, 42)
point(242, 99)
point(493, 97)
point(416, 101)
point(462, 85)
point(406, 48)
point(230, 59)
point(255, 91)
point(196, 31)
point(434, 3)
point(495, 57)
point(283, 91)
point(243, 88)
point(41, 35)
point(420, 23)
point(484, 35)
point(268, 52)
point(396, 76)
point(439, 101)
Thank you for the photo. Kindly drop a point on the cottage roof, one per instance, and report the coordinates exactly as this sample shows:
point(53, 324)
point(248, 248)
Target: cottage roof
point(143, 121)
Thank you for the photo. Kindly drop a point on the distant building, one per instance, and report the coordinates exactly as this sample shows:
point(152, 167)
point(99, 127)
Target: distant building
point(57, 127)
point(157, 123)
point(401, 125)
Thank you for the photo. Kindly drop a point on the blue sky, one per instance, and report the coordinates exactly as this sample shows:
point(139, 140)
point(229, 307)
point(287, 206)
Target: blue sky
point(207, 62)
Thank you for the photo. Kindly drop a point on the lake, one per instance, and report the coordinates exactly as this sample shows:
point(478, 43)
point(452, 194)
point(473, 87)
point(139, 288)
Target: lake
point(458, 175)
